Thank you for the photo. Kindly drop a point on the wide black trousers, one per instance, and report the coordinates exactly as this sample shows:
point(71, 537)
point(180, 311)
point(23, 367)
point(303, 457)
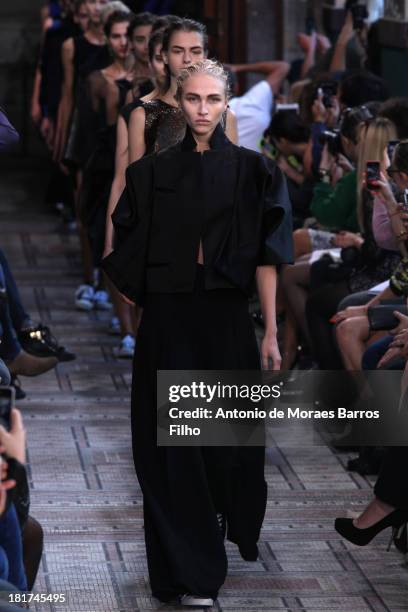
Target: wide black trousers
point(185, 487)
point(392, 483)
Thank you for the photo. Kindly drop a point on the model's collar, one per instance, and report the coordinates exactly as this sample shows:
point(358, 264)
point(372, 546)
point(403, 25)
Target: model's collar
point(218, 140)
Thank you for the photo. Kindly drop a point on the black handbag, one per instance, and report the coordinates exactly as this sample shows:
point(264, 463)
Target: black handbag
point(382, 317)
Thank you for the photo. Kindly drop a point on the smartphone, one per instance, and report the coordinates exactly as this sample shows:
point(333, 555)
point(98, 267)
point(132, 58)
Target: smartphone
point(327, 89)
point(372, 174)
point(405, 200)
point(7, 401)
point(391, 147)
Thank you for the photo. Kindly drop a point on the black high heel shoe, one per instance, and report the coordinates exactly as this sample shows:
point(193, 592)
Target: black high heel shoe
point(361, 537)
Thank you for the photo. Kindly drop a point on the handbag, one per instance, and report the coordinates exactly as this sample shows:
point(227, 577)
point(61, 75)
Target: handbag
point(382, 317)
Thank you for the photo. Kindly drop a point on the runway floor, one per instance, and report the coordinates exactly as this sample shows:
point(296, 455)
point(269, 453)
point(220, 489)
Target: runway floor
point(84, 490)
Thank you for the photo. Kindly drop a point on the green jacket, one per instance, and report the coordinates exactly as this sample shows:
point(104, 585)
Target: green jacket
point(336, 207)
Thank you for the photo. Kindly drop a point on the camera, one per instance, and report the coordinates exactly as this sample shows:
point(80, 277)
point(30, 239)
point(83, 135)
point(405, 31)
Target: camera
point(405, 200)
point(333, 140)
point(359, 13)
point(328, 89)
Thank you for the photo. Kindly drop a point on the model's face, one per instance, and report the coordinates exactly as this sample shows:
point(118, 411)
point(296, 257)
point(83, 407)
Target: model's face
point(95, 9)
point(157, 66)
point(140, 43)
point(82, 16)
point(185, 48)
point(118, 40)
point(203, 102)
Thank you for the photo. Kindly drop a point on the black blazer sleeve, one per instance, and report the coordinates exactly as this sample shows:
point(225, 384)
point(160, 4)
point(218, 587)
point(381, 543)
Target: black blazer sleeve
point(125, 266)
point(277, 224)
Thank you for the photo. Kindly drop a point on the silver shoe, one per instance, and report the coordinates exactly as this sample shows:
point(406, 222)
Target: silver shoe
point(196, 601)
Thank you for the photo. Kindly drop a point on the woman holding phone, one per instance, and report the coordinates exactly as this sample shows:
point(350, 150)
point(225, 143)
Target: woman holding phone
point(197, 224)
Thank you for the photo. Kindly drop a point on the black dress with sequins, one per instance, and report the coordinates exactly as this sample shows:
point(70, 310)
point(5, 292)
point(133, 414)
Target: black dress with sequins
point(165, 125)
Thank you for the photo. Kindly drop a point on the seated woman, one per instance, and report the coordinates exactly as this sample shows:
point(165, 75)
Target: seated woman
point(353, 330)
point(389, 507)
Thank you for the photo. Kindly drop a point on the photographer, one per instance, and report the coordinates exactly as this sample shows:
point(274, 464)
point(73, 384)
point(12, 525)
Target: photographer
point(289, 138)
point(334, 203)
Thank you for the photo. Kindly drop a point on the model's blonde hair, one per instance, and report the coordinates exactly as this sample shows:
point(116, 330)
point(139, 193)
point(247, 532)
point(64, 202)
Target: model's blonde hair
point(373, 140)
point(208, 67)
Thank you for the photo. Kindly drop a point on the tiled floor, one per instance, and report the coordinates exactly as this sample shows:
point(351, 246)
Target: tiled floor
point(85, 493)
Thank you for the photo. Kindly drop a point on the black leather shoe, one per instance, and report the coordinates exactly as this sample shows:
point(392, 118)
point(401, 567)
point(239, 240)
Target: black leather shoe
point(249, 552)
point(40, 342)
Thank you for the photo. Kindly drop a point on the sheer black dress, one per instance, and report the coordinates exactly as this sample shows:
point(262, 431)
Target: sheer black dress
point(105, 99)
point(196, 317)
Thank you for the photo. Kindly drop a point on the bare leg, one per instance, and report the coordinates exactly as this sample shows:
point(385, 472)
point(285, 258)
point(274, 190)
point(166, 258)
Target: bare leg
point(295, 280)
point(86, 252)
point(289, 340)
point(352, 335)
point(301, 242)
point(122, 310)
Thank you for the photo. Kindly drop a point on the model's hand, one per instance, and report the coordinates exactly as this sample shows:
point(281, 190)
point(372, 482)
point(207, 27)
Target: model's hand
point(13, 442)
point(270, 352)
point(107, 250)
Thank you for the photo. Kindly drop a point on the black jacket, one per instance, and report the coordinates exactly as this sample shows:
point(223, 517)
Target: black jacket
point(235, 200)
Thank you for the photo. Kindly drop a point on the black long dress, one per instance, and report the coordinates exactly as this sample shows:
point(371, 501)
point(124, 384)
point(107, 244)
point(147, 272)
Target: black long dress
point(196, 317)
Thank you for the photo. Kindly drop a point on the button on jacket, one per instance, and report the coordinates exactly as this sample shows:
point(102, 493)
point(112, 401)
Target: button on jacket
point(232, 199)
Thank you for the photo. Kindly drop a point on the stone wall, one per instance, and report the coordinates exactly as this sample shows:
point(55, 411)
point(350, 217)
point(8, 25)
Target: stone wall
point(19, 36)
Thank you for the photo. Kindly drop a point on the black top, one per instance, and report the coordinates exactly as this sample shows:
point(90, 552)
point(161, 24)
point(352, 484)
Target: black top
point(89, 57)
point(231, 198)
point(99, 132)
point(164, 125)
